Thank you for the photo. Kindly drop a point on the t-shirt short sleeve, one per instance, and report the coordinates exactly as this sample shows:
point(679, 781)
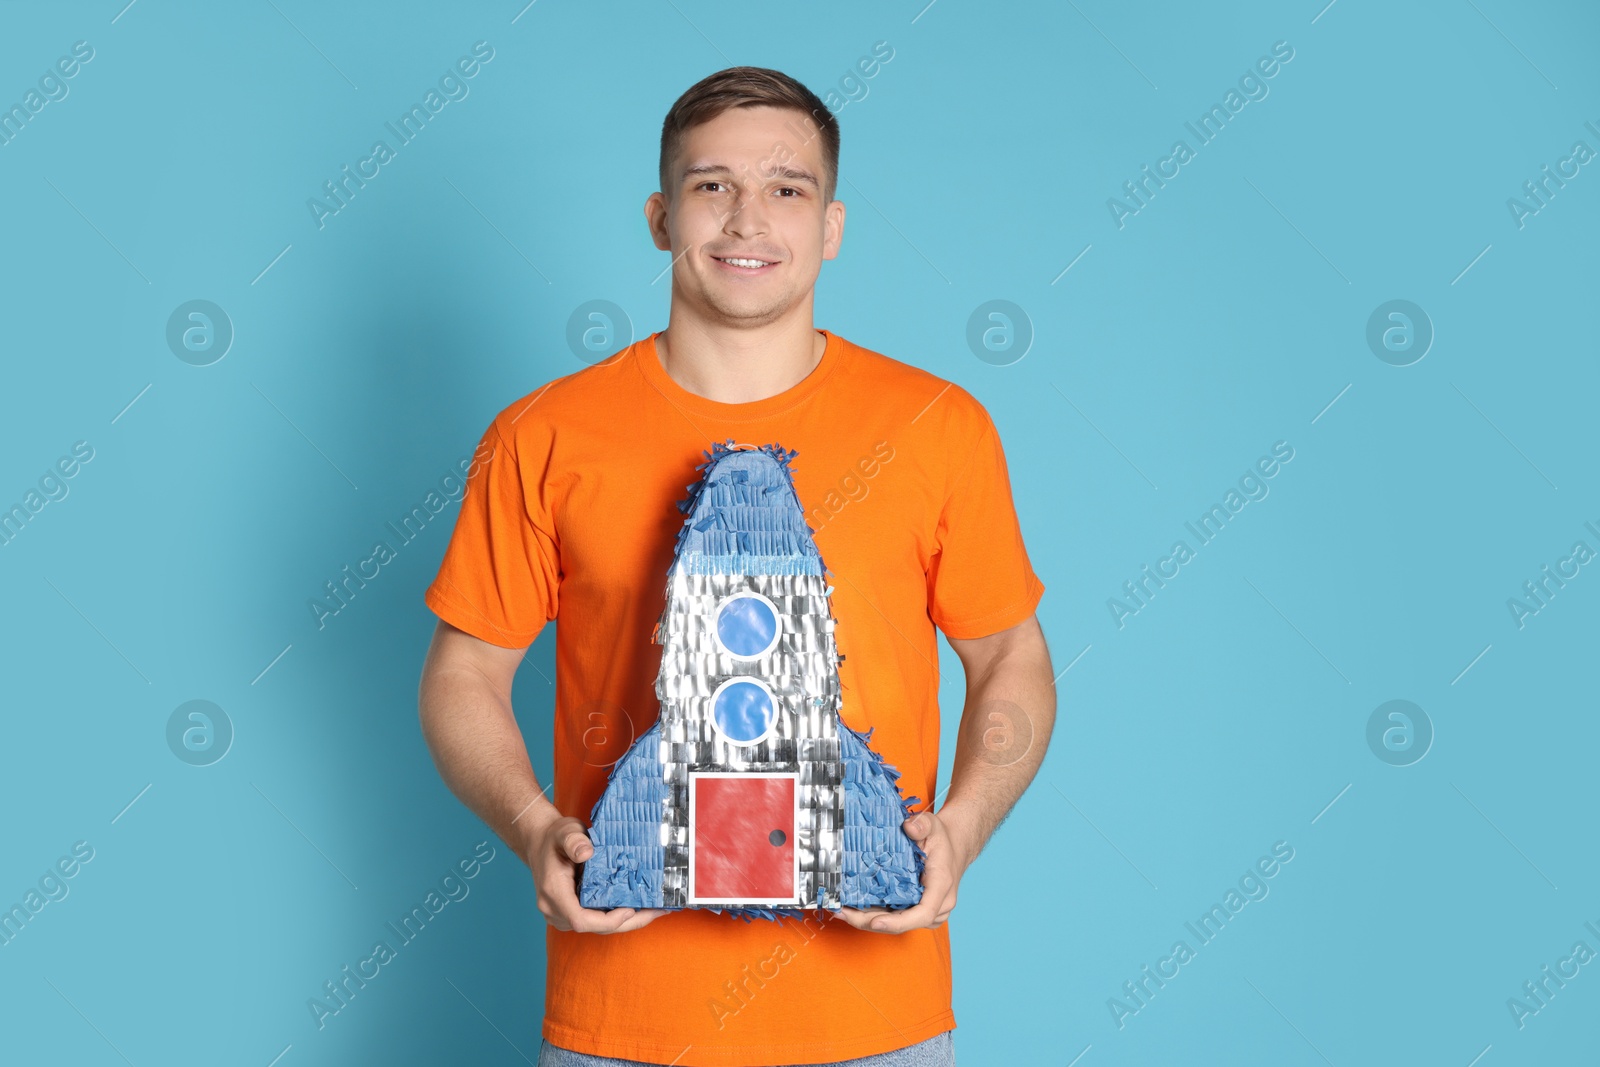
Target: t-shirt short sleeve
point(980, 580)
point(500, 576)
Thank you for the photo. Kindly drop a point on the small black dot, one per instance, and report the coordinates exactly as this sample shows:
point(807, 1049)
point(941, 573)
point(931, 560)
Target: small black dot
point(777, 837)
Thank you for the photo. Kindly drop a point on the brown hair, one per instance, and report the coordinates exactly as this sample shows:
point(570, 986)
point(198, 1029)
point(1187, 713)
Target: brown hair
point(747, 87)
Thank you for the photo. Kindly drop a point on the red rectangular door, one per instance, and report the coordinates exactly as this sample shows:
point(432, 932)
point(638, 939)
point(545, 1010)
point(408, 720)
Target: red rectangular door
point(741, 838)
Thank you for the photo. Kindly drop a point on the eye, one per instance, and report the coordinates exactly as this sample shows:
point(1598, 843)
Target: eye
point(790, 189)
point(702, 185)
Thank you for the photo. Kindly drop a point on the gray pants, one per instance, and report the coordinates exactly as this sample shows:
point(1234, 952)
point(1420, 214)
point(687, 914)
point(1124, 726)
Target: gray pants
point(937, 1051)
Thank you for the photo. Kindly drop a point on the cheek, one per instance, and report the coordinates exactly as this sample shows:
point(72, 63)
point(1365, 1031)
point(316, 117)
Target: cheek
point(807, 238)
point(807, 254)
point(705, 218)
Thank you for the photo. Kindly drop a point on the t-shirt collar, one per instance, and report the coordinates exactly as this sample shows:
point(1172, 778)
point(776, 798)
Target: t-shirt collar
point(649, 364)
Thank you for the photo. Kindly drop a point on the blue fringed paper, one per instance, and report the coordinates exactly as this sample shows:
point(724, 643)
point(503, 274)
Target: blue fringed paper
point(745, 532)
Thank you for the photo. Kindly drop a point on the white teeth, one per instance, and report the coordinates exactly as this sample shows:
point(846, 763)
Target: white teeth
point(745, 262)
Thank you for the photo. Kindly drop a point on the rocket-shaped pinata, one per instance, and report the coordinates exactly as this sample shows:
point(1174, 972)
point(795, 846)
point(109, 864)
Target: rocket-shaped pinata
point(749, 793)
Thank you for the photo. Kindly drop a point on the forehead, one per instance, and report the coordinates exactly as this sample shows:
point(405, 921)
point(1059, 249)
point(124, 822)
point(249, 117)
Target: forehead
point(747, 137)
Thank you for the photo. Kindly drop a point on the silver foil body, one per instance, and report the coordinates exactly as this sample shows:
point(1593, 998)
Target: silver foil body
point(802, 671)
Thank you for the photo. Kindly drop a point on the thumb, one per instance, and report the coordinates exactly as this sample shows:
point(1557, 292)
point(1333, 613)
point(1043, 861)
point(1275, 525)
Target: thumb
point(577, 846)
point(919, 826)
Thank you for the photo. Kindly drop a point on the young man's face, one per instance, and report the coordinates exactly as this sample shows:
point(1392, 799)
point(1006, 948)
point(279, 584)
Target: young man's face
point(747, 185)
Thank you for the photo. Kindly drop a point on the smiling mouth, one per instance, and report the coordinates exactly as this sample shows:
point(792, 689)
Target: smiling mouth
point(745, 265)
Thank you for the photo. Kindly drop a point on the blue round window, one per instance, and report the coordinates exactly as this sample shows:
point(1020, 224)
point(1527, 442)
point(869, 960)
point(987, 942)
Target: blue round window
point(747, 625)
point(743, 710)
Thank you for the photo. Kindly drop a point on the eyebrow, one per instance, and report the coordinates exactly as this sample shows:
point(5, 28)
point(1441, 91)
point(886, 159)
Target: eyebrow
point(785, 172)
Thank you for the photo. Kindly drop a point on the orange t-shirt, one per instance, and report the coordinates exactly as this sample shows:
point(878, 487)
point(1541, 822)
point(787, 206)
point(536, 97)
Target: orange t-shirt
point(905, 487)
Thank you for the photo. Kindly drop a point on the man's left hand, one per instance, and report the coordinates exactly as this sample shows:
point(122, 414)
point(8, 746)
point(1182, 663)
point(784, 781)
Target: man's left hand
point(946, 860)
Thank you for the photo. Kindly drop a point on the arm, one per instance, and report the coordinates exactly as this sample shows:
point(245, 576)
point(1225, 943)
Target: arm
point(464, 701)
point(1005, 727)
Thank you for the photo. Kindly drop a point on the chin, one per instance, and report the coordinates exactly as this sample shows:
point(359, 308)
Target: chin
point(748, 314)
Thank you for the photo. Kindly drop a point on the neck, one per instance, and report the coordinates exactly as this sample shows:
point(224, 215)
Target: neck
point(739, 365)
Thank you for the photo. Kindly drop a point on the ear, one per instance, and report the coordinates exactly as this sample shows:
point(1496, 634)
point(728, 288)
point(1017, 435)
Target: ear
point(832, 228)
point(656, 213)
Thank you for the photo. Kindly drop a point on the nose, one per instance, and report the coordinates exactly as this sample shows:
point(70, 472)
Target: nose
point(748, 218)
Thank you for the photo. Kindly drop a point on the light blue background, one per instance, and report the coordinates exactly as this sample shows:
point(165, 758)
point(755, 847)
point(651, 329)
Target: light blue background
point(1226, 315)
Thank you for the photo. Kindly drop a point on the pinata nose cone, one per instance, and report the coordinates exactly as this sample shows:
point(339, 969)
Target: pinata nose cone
point(744, 517)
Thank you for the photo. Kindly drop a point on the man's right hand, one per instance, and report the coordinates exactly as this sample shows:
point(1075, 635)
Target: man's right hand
point(464, 701)
point(553, 847)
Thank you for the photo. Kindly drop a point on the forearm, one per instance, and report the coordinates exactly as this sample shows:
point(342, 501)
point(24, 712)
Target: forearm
point(1005, 728)
point(479, 750)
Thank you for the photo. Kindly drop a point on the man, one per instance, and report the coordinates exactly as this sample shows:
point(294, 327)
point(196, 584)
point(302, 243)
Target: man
point(573, 514)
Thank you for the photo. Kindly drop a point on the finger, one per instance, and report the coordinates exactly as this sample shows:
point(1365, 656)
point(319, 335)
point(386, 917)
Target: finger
point(921, 825)
point(576, 846)
point(639, 918)
point(557, 890)
point(594, 921)
point(558, 894)
point(936, 889)
point(861, 918)
point(574, 918)
point(561, 892)
point(885, 921)
point(910, 919)
point(615, 921)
